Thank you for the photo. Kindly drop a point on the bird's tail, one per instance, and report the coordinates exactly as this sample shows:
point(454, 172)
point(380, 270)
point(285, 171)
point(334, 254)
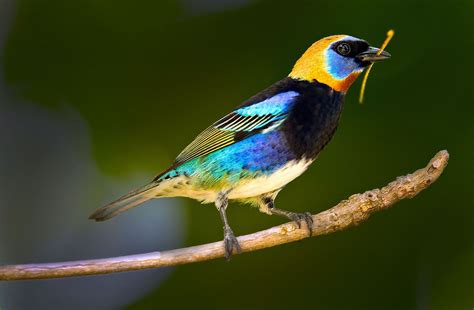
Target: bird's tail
point(130, 200)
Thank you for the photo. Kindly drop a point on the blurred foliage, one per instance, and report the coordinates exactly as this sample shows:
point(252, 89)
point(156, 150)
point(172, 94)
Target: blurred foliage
point(147, 78)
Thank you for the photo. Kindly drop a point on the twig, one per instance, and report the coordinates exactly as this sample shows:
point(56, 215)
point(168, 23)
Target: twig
point(347, 213)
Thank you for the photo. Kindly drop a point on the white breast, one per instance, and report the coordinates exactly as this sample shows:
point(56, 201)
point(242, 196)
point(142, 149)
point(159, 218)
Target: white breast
point(272, 182)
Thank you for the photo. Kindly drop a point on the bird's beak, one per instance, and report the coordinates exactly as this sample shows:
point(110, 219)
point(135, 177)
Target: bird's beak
point(372, 55)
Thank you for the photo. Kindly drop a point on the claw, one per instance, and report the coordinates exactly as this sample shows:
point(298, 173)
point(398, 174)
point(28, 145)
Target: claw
point(307, 217)
point(298, 222)
point(230, 242)
point(297, 218)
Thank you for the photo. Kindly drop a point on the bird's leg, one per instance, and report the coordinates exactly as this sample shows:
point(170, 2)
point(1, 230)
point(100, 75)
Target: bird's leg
point(230, 241)
point(294, 216)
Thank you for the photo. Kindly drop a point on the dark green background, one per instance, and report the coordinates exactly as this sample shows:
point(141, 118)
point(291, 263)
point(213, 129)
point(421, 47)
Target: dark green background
point(147, 76)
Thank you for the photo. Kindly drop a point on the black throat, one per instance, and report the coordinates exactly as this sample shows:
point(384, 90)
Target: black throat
point(313, 119)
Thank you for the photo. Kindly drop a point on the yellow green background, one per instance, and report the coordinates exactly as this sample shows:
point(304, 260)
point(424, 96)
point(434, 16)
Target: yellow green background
point(137, 80)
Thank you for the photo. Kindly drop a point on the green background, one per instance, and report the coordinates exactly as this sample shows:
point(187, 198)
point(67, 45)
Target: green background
point(147, 76)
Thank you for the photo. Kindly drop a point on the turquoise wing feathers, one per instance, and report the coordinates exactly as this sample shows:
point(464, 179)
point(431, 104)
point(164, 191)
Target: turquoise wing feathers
point(262, 116)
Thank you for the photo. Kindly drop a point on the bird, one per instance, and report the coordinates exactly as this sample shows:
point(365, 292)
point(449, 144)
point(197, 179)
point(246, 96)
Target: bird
point(250, 154)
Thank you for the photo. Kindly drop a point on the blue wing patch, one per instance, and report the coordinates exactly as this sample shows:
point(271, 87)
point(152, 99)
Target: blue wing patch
point(271, 106)
point(259, 117)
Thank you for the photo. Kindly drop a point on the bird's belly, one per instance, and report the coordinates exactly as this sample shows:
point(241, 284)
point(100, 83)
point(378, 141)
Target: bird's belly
point(245, 188)
point(271, 182)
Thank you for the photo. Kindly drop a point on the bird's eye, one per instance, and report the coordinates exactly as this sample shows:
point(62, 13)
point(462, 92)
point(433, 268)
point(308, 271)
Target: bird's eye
point(343, 49)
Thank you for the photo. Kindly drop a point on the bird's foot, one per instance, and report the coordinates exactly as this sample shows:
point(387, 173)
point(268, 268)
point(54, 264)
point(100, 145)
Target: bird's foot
point(230, 242)
point(297, 217)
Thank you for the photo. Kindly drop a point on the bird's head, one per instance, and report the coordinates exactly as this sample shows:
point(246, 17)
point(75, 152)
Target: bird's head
point(336, 61)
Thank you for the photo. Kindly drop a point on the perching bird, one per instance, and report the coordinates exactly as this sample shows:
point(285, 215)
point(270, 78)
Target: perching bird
point(250, 154)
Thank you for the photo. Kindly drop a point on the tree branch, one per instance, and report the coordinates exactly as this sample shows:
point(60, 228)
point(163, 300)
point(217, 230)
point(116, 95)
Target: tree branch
point(356, 209)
